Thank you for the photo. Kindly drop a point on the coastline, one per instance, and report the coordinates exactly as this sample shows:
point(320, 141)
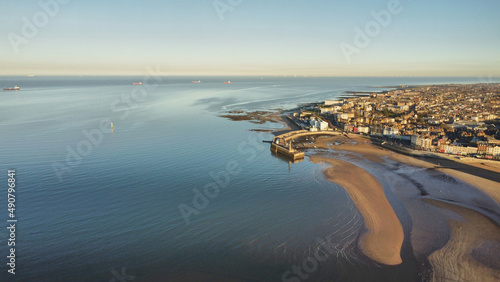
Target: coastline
point(432, 239)
point(414, 203)
point(484, 177)
point(486, 186)
point(483, 168)
point(383, 240)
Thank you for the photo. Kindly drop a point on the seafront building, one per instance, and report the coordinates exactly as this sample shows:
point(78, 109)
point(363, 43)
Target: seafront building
point(453, 119)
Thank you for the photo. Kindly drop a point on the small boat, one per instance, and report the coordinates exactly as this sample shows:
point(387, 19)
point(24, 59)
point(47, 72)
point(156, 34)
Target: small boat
point(137, 83)
point(227, 82)
point(12, 88)
point(199, 81)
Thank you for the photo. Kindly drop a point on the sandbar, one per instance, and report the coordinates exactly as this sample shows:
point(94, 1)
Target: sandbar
point(384, 237)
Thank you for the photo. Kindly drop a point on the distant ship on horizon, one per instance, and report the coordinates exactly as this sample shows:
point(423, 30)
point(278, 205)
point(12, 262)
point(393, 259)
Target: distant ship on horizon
point(199, 81)
point(12, 88)
point(227, 82)
point(137, 83)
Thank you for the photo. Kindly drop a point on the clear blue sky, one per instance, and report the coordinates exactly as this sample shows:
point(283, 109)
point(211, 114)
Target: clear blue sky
point(257, 37)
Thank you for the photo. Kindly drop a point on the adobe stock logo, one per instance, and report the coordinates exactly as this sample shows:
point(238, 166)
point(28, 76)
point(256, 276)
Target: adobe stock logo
point(224, 6)
point(363, 37)
point(30, 28)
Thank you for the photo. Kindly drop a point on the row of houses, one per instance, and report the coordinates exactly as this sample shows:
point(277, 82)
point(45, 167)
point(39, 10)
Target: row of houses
point(373, 130)
point(484, 149)
point(430, 143)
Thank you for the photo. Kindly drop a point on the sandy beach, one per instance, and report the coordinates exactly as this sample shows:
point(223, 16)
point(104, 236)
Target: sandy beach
point(489, 187)
point(457, 241)
point(383, 240)
point(364, 147)
point(465, 257)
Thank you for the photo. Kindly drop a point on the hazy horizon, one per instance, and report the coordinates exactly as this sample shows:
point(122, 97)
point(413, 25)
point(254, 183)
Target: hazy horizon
point(251, 38)
point(194, 76)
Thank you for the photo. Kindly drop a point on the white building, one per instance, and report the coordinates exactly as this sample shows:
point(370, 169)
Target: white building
point(318, 124)
point(416, 140)
point(332, 109)
point(344, 116)
point(457, 150)
point(494, 151)
point(471, 150)
point(364, 129)
point(390, 131)
point(427, 143)
point(333, 102)
point(449, 149)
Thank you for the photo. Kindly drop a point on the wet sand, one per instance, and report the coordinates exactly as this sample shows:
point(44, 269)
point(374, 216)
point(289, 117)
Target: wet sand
point(489, 187)
point(479, 163)
point(383, 240)
point(363, 146)
point(460, 244)
point(466, 256)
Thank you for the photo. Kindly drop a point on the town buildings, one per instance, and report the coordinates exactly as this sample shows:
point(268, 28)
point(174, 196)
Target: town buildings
point(454, 119)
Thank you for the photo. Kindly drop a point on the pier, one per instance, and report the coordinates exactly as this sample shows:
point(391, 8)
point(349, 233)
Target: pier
point(282, 144)
point(288, 152)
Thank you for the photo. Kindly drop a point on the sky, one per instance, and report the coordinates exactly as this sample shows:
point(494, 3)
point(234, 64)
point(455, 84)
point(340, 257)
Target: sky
point(251, 37)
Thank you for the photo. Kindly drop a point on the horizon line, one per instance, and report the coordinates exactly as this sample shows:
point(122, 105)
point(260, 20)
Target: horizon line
point(240, 75)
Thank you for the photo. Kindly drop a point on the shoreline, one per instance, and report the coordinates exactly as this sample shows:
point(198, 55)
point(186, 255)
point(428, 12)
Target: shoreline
point(436, 204)
point(484, 177)
point(367, 194)
point(383, 240)
point(488, 169)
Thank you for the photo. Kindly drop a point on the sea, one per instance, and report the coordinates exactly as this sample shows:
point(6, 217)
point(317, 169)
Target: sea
point(123, 182)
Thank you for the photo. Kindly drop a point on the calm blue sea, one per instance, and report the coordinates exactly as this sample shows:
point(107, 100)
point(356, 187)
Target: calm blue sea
point(92, 204)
